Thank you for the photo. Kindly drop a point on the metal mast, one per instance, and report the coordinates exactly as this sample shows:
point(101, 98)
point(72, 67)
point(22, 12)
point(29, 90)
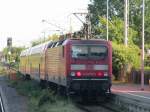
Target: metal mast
point(142, 55)
point(87, 24)
point(126, 22)
point(107, 18)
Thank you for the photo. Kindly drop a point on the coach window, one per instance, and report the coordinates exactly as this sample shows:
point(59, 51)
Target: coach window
point(60, 42)
point(57, 43)
point(54, 44)
point(50, 45)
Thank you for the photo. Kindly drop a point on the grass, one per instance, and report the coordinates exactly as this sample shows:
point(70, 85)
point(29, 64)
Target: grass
point(42, 100)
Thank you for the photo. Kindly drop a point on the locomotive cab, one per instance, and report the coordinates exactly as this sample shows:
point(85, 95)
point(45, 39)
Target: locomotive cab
point(90, 66)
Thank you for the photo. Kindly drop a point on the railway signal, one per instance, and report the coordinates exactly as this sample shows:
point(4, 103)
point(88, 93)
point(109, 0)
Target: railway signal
point(9, 46)
point(9, 41)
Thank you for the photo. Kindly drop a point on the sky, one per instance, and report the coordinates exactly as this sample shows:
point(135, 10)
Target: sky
point(22, 19)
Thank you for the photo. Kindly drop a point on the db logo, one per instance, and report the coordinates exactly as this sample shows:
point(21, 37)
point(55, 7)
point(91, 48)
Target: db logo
point(89, 74)
point(89, 67)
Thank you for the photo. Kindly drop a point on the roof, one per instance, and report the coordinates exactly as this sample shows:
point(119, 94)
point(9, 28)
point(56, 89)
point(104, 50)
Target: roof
point(24, 52)
point(38, 49)
point(41, 48)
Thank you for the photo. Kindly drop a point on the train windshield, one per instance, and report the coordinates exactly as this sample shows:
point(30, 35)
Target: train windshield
point(79, 51)
point(89, 51)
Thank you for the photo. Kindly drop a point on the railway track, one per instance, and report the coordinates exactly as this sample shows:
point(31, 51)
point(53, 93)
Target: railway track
point(97, 108)
point(101, 106)
point(1, 104)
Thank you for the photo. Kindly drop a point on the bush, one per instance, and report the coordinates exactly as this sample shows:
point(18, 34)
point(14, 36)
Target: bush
point(2, 71)
point(42, 100)
point(47, 96)
point(124, 58)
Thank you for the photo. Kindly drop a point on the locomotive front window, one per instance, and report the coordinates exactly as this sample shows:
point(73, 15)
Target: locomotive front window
point(89, 51)
point(99, 52)
point(79, 51)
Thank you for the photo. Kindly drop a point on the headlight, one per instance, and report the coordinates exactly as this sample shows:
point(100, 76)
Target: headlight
point(72, 74)
point(105, 74)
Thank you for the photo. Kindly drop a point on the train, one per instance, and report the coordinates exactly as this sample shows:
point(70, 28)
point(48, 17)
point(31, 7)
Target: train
point(78, 66)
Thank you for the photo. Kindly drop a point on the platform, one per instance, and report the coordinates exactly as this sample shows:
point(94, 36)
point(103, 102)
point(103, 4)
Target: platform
point(132, 91)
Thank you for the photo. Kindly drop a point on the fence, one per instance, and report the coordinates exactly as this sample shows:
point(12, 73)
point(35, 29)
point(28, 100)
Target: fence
point(135, 77)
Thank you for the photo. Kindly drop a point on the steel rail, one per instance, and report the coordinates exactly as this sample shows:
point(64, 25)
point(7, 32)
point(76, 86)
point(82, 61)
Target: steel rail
point(1, 104)
point(91, 109)
point(101, 105)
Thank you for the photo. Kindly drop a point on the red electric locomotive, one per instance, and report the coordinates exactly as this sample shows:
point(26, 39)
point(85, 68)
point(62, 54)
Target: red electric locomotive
point(78, 65)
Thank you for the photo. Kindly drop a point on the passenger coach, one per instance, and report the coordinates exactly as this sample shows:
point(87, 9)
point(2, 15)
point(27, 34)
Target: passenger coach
point(77, 65)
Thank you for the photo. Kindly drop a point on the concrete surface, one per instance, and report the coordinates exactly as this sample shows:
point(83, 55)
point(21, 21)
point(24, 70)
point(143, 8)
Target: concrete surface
point(13, 102)
point(132, 91)
point(131, 98)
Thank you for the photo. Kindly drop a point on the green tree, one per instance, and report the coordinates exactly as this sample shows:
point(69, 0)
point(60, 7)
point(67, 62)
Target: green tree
point(116, 9)
point(135, 15)
point(98, 8)
point(123, 57)
point(116, 30)
point(53, 37)
point(13, 55)
point(38, 41)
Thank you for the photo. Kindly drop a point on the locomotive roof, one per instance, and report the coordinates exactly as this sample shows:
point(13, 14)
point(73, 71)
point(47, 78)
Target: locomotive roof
point(83, 40)
point(65, 41)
